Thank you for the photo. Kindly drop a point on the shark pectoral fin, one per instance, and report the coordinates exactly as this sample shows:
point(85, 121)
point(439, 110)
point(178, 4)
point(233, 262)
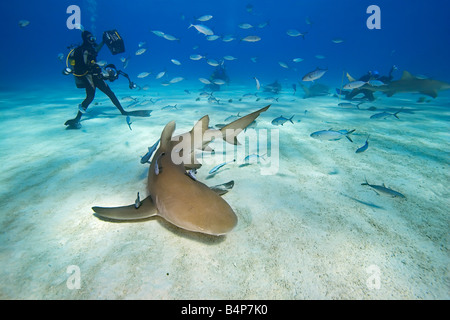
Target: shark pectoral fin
point(222, 189)
point(147, 209)
point(191, 166)
point(431, 93)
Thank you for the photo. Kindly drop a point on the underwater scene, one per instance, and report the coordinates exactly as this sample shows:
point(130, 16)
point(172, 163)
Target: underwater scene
point(217, 150)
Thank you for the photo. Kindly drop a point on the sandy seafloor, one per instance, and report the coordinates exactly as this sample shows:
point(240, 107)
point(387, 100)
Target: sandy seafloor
point(311, 231)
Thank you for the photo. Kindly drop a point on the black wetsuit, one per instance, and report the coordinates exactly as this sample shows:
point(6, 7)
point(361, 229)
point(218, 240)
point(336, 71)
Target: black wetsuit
point(88, 75)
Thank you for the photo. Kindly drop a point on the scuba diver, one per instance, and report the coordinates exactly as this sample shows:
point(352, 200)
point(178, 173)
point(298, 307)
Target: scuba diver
point(371, 75)
point(219, 73)
point(90, 76)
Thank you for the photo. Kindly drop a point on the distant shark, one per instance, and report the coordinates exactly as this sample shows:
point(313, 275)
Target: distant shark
point(409, 83)
point(176, 195)
point(315, 90)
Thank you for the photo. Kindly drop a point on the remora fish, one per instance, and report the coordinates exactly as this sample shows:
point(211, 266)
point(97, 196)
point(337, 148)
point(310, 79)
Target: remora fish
point(364, 147)
point(332, 135)
point(129, 123)
point(314, 75)
point(384, 190)
point(258, 85)
point(176, 197)
point(148, 155)
point(216, 168)
point(157, 167)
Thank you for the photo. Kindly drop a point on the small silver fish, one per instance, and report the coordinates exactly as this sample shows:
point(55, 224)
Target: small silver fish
point(355, 85)
point(384, 115)
point(232, 118)
point(258, 84)
point(23, 23)
point(364, 147)
point(281, 120)
point(251, 39)
point(216, 168)
point(205, 18)
point(196, 57)
point(349, 105)
point(314, 75)
point(296, 33)
point(202, 29)
point(169, 107)
point(332, 135)
point(170, 37)
point(140, 51)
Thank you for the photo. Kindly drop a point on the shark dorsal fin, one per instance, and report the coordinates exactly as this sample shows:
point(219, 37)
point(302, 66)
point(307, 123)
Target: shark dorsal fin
point(407, 76)
point(166, 136)
point(201, 124)
point(239, 125)
point(350, 78)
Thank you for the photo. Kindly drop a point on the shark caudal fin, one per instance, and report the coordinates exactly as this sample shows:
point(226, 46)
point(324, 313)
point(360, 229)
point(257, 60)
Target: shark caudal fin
point(231, 130)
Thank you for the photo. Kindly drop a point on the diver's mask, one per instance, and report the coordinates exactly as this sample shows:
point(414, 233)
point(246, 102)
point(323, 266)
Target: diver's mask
point(91, 39)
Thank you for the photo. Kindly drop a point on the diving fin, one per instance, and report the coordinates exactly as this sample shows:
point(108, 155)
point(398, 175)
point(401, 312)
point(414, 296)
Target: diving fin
point(139, 113)
point(146, 209)
point(73, 124)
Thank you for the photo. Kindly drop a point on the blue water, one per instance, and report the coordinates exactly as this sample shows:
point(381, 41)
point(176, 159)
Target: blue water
point(413, 36)
point(308, 231)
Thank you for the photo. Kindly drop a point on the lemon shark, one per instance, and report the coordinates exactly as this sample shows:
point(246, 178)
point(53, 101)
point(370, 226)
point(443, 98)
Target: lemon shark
point(177, 196)
point(410, 83)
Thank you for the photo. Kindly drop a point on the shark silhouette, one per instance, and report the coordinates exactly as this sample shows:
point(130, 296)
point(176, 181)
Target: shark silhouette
point(409, 83)
point(174, 194)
